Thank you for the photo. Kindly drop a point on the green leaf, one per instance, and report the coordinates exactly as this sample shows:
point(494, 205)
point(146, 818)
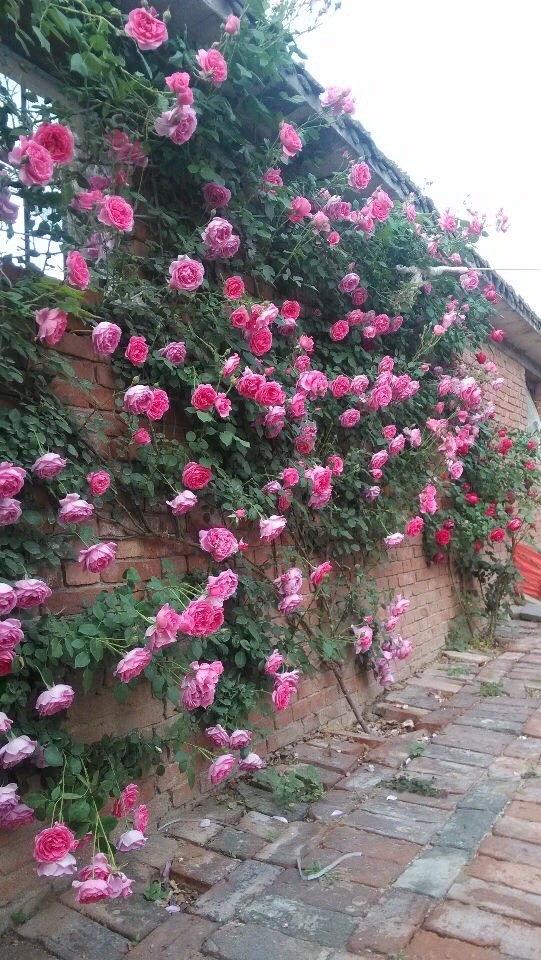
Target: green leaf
point(52, 756)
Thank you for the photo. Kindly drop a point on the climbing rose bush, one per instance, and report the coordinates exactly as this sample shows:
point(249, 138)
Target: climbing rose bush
point(288, 365)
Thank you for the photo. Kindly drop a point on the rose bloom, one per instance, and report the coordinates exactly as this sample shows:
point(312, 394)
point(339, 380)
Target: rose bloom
point(51, 325)
point(340, 386)
point(290, 140)
point(57, 698)
point(251, 762)
point(271, 177)
point(175, 352)
point(230, 365)
point(182, 503)
point(232, 25)
point(234, 288)
point(415, 527)
point(271, 528)
point(17, 750)
point(240, 739)
point(223, 586)
point(130, 840)
point(469, 280)
point(215, 195)
point(17, 816)
point(221, 768)
point(11, 479)
point(219, 542)
point(54, 843)
point(496, 535)
point(163, 631)
point(144, 27)
point(359, 176)
point(57, 140)
point(199, 690)
point(159, 404)
point(8, 602)
point(394, 539)
point(179, 83)
point(99, 481)
point(10, 511)
point(48, 465)
point(31, 593)
point(6, 661)
point(497, 336)
point(260, 341)
point(270, 394)
point(116, 212)
point(126, 801)
point(273, 662)
point(300, 208)
point(290, 477)
point(514, 524)
point(339, 330)
point(186, 274)
point(106, 337)
point(137, 399)
point(195, 476)
point(78, 272)
point(136, 351)
point(349, 283)
point(222, 405)
point(349, 418)
point(201, 618)
point(98, 557)
point(204, 397)
point(91, 890)
point(73, 509)
point(213, 65)
point(142, 436)
point(285, 684)
point(133, 663)
point(5, 727)
point(442, 537)
point(179, 124)
point(140, 818)
point(35, 163)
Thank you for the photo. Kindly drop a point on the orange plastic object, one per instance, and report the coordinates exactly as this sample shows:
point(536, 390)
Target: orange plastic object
point(528, 562)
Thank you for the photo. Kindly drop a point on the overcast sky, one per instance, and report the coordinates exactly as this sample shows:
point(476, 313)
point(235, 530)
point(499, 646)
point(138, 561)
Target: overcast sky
point(451, 93)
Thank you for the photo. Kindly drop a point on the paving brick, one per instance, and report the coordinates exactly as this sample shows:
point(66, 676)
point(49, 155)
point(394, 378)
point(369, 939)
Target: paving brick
point(482, 928)
point(429, 946)
point(521, 876)
point(222, 902)
point(132, 918)
point(163, 944)
point(333, 892)
point(487, 795)
point(533, 726)
point(465, 829)
point(295, 841)
point(322, 926)
point(510, 768)
point(526, 748)
point(498, 898)
point(333, 800)
point(453, 777)
point(345, 839)
point(447, 802)
point(518, 830)
point(261, 825)
point(157, 852)
point(390, 923)
point(404, 821)
point(364, 779)
point(492, 724)
point(522, 810)
point(326, 754)
point(237, 843)
point(12, 948)
point(200, 866)
point(238, 941)
point(434, 871)
point(67, 934)
point(516, 851)
point(263, 802)
point(466, 656)
point(484, 741)
point(473, 758)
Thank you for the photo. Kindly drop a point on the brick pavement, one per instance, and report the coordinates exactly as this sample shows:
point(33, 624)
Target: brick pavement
point(452, 872)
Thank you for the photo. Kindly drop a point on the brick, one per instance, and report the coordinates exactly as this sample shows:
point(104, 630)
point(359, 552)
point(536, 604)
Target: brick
point(237, 843)
point(68, 934)
point(532, 727)
point(498, 898)
point(390, 923)
point(366, 777)
point(404, 821)
point(326, 756)
point(516, 851)
point(201, 867)
point(434, 871)
point(293, 842)
point(518, 829)
point(442, 751)
point(223, 901)
point(145, 568)
point(487, 795)
point(345, 839)
point(466, 828)
point(429, 946)
point(163, 944)
point(482, 928)
point(132, 918)
point(338, 893)
point(324, 927)
point(252, 942)
point(525, 811)
point(13, 948)
point(519, 875)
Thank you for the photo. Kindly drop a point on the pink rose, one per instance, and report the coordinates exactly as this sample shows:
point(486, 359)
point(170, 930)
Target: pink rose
point(285, 685)
point(271, 178)
point(178, 124)
point(73, 509)
point(138, 399)
point(98, 557)
point(9, 798)
point(340, 386)
point(415, 527)
point(140, 818)
point(273, 662)
point(251, 762)
point(349, 418)
point(116, 212)
point(469, 280)
point(57, 698)
point(359, 176)
point(5, 727)
point(10, 511)
point(270, 394)
point(63, 867)
point(291, 309)
point(232, 25)
point(289, 604)
point(290, 582)
point(31, 593)
point(51, 324)
point(198, 690)
point(53, 843)
point(78, 272)
point(6, 661)
point(106, 337)
point(179, 83)
point(234, 288)
point(142, 437)
point(359, 296)
point(218, 736)
point(144, 27)
point(159, 405)
point(394, 539)
point(317, 575)
point(130, 840)
point(221, 768)
point(290, 140)
point(363, 638)
point(126, 801)
point(349, 283)
point(215, 195)
point(260, 341)
point(290, 477)
point(17, 750)
point(222, 405)
point(91, 890)
point(213, 65)
point(300, 208)
point(133, 663)
point(11, 479)
point(86, 199)
point(174, 352)
point(339, 330)
point(497, 336)
point(57, 140)
point(36, 166)
point(204, 397)
point(163, 631)
point(201, 618)
point(195, 476)
point(48, 465)
point(136, 351)
point(182, 503)
point(8, 601)
point(16, 816)
point(186, 274)
point(336, 464)
point(223, 586)
point(240, 739)
point(219, 239)
point(219, 542)
point(271, 528)
point(99, 482)
point(250, 383)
